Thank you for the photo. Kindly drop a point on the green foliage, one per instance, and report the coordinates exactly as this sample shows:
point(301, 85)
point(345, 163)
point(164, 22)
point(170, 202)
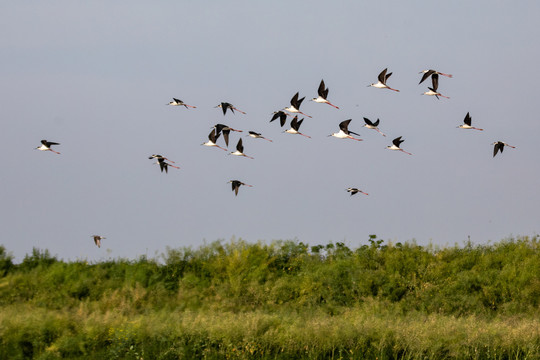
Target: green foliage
point(6, 261)
point(279, 300)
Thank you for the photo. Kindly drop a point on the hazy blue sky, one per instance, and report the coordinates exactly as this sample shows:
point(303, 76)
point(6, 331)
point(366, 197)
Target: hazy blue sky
point(96, 77)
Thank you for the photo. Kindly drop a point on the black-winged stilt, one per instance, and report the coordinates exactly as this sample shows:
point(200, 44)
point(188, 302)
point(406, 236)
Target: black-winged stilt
point(295, 105)
point(236, 185)
point(355, 190)
point(373, 125)
point(344, 132)
point(323, 94)
point(256, 135)
point(161, 160)
point(435, 85)
point(240, 150)
point(212, 138)
point(395, 145)
point(97, 240)
point(499, 146)
point(295, 126)
point(46, 146)
point(467, 123)
point(178, 102)
point(381, 84)
point(225, 105)
point(428, 73)
point(226, 130)
point(281, 115)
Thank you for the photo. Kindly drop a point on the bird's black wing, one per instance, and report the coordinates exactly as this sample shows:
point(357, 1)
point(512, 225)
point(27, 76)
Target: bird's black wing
point(239, 146)
point(435, 81)
point(321, 89)
point(382, 76)
point(368, 122)
point(426, 75)
point(344, 125)
point(467, 119)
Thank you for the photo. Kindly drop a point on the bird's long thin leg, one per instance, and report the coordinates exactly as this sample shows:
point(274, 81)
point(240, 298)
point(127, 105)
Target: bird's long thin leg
point(329, 103)
point(304, 135)
point(239, 110)
point(405, 152)
point(379, 131)
point(389, 88)
point(447, 75)
point(56, 152)
point(304, 114)
point(249, 157)
point(353, 138)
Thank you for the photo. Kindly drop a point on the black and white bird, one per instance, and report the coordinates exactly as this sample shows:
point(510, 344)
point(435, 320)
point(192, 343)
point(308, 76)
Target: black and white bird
point(97, 240)
point(178, 102)
point(295, 105)
point(236, 185)
point(428, 73)
point(281, 115)
point(212, 138)
point(395, 145)
point(381, 84)
point(46, 146)
point(344, 132)
point(240, 150)
point(226, 130)
point(499, 146)
point(257, 135)
point(355, 191)
point(295, 127)
point(373, 125)
point(228, 106)
point(467, 123)
point(435, 85)
point(323, 95)
point(162, 161)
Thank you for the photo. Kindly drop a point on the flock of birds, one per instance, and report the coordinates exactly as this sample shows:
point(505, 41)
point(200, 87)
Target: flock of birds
point(294, 108)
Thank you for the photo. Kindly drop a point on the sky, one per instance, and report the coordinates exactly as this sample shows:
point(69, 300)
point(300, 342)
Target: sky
point(96, 76)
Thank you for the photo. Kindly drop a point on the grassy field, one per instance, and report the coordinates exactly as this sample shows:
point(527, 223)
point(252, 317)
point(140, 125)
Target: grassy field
point(282, 300)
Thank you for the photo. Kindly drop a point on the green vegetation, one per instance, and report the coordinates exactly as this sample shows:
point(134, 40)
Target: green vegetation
point(281, 300)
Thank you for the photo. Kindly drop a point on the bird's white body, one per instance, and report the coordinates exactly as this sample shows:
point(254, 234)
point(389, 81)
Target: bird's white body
point(379, 85)
point(341, 135)
point(393, 147)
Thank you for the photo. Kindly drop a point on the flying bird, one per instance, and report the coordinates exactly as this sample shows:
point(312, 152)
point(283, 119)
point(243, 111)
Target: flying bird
point(433, 90)
point(323, 95)
point(161, 160)
point(295, 105)
point(226, 130)
point(381, 84)
point(212, 138)
point(344, 132)
point(177, 102)
point(240, 150)
point(46, 146)
point(499, 146)
point(97, 240)
point(428, 73)
point(395, 145)
point(236, 185)
point(295, 126)
point(355, 191)
point(373, 125)
point(281, 115)
point(225, 105)
point(467, 123)
point(256, 135)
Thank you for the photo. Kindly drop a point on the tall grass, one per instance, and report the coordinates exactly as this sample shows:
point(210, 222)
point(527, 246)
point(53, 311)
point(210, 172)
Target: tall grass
point(278, 301)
